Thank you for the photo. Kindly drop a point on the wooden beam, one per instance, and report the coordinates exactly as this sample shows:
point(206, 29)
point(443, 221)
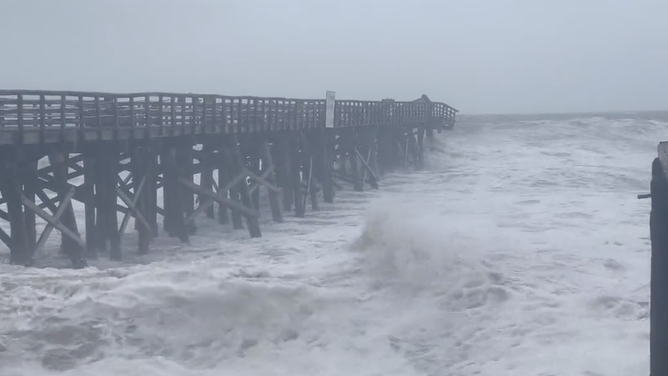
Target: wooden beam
point(50, 219)
point(262, 179)
point(20, 248)
point(132, 207)
point(233, 205)
point(64, 203)
point(88, 194)
point(207, 201)
point(309, 191)
point(270, 177)
point(5, 238)
point(30, 189)
point(365, 162)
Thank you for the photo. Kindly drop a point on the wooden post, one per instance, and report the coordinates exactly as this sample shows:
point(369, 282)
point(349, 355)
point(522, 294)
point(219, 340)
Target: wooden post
point(140, 161)
point(296, 177)
point(101, 233)
point(109, 166)
point(385, 157)
point(351, 147)
point(230, 167)
point(282, 152)
point(373, 159)
point(274, 197)
point(242, 188)
point(368, 157)
point(111, 201)
point(251, 148)
point(206, 174)
point(53, 222)
point(185, 167)
point(20, 249)
point(29, 191)
point(60, 163)
point(309, 181)
point(151, 188)
point(89, 201)
point(430, 133)
point(420, 146)
point(171, 172)
point(659, 273)
point(323, 162)
point(169, 199)
point(223, 180)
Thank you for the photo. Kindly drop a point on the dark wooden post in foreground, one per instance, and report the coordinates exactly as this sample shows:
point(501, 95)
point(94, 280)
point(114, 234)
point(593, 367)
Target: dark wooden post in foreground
point(659, 286)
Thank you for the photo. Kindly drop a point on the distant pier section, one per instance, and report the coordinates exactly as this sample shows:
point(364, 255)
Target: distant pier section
point(135, 158)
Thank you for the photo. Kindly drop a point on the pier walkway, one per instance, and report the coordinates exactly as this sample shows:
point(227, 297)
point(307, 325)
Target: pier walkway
point(180, 156)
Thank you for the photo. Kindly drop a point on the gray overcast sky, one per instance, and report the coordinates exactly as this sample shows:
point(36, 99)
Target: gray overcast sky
point(480, 56)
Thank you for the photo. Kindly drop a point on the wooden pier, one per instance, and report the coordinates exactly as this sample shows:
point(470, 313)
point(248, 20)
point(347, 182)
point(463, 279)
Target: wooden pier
point(209, 155)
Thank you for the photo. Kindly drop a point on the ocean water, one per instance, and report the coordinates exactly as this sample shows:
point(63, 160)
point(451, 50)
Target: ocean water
point(520, 250)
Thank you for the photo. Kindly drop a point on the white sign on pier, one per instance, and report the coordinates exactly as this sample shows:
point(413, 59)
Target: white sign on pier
point(329, 112)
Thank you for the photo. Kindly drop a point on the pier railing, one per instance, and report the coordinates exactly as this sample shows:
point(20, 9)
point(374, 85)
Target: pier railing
point(45, 113)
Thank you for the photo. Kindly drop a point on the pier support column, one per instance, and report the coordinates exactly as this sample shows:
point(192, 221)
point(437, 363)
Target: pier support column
point(30, 188)
point(250, 153)
point(151, 187)
point(268, 171)
point(238, 186)
point(294, 146)
point(174, 220)
point(420, 147)
point(107, 180)
point(185, 167)
point(239, 169)
point(283, 153)
point(137, 205)
point(231, 167)
point(59, 161)
point(11, 187)
point(224, 179)
point(89, 191)
point(206, 168)
point(323, 140)
point(367, 153)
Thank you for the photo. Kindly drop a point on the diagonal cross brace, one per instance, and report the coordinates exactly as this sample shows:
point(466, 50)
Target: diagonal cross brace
point(64, 203)
point(262, 179)
point(207, 201)
point(53, 221)
point(132, 207)
point(219, 197)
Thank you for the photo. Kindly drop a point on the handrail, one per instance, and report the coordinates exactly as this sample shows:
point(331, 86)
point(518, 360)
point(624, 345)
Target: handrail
point(220, 113)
